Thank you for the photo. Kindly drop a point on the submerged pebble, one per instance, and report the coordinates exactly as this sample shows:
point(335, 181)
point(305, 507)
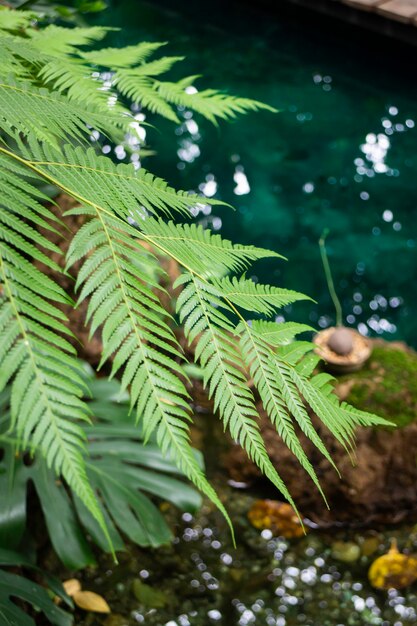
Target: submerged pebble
point(346, 551)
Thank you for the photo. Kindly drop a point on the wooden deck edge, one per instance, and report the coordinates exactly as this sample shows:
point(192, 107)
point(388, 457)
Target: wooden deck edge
point(349, 11)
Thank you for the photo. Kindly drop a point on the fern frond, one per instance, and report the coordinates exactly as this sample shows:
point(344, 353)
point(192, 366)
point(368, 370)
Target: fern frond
point(118, 188)
point(64, 41)
point(64, 74)
point(74, 78)
point(153, 68)
point(277, 334)
point(136, 334)
point(19, 59)
point(15, 20)
point(47, 385)
point(140, 90)
point(51, 117)
point(198, 307)
point(200, 249)
point(68, 69)
point(326, 410)
point(294, 352)
point(284, 363)
point(251, 296)
point(11, 62)
point(210, 103)
point(280, 397)
point(122, 57)
point(325, 383)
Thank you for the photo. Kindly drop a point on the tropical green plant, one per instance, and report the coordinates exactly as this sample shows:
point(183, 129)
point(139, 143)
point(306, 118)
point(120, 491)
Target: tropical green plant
point(54, 94)
point(13, 585)
point(120, 469)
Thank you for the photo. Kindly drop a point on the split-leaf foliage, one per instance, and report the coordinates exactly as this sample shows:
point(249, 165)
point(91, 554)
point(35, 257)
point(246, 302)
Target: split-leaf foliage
point(121, 470)
point(40, 597)
point(55, 89)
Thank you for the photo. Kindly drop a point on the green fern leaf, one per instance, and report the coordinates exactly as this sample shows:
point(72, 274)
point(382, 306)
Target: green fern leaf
point(153, 68)
point(75, 79)
point(209, 103)
point(51, 118)
point(122, 57)
point(114, 188)
point(139, 89)
point(277, 334)
point(280, 396)
point(256, 297)
point(15, 20)
point(224, 370)
point(133, 327)
point(197, 248)
point(60, 40)
point(46, 383)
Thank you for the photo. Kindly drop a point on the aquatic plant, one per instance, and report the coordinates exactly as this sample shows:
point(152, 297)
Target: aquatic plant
point(342, 348)
point(56, 96)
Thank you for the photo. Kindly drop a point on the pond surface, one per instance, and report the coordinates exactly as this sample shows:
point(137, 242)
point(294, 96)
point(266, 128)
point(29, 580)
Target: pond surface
point(341, 154)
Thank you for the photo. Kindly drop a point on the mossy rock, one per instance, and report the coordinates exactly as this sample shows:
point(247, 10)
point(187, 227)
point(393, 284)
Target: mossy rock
point(387, 384)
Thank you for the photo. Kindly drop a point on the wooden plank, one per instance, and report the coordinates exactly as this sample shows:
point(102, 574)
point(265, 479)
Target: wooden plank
point(367, 5)
point(401, 10)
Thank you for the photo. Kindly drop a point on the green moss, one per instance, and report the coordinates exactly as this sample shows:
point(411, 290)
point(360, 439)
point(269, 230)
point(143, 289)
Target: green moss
point(387, 385)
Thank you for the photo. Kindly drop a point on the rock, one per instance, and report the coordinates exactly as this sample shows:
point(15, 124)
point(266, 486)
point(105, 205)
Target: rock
point(345, 551)
point(370, 545)
point(343, 350)
point(148, 596)
point(341, 341)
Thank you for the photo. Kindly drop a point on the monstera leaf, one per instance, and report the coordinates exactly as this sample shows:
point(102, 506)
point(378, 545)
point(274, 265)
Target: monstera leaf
point(16, 586)
point(122, 470)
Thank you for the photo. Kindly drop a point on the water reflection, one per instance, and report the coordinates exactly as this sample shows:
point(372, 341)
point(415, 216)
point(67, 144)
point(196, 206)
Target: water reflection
point(339, 155)
point(268, 580)
point(242, 184)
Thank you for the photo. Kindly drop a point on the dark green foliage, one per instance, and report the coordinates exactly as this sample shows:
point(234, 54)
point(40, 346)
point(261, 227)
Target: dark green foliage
point(13, 586)
point(51, 72)
point(119, 469)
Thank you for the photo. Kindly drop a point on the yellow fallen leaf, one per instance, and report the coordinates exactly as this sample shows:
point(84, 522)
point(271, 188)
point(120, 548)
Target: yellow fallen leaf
point(279, 517)
point(90, 601)
point(71, 586)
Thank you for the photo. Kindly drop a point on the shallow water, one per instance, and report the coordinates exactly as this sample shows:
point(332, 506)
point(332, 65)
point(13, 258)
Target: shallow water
point(201, 580)
point(341, 154)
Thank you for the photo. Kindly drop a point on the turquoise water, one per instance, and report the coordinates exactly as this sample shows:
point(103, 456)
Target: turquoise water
point(341, 154)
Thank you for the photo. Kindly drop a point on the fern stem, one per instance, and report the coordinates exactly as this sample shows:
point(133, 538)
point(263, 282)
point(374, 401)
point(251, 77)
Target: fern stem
point(329, 278)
